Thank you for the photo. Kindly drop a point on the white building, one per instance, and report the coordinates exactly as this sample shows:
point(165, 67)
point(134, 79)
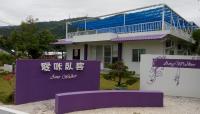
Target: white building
point(125, 35)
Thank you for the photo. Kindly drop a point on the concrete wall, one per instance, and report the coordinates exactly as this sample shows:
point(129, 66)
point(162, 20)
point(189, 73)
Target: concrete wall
point(172, 80)
point(95, 37)
point(151, 47)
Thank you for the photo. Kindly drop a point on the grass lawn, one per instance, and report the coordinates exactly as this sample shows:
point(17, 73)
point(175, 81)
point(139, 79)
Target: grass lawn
point(108, 85)
point(5, 89)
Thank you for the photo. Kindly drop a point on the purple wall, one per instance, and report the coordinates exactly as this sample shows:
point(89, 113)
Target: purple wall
point(76, 101)
point(35, 84)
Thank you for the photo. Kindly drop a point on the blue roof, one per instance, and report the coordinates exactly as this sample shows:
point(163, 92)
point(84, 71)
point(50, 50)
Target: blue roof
point(145, 15)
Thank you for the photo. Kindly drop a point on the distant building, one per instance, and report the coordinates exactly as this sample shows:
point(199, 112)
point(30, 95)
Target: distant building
point(126, 35)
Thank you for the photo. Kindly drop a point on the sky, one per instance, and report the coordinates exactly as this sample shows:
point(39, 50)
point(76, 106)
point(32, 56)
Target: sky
point(13, 12)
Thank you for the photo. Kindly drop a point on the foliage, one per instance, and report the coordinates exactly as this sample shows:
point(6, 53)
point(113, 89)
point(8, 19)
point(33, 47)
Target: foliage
point(7, 87)
point(119, 73)
point(28, 40)
point(6, 59)
point(6, 44)
point(196, 37)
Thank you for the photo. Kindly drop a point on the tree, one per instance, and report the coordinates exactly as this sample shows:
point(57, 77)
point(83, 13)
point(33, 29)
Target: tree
point(30, 41)
point(196, 37)
point(6, 43)
point(119, 73)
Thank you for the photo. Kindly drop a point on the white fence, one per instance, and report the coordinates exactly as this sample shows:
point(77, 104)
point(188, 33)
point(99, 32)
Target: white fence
point(8, 68)
point(173, 75)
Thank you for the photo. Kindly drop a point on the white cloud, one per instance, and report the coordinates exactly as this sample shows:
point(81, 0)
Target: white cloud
point(14, 11)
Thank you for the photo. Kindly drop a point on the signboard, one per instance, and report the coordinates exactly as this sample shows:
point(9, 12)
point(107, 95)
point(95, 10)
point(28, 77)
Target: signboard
point(41, 79)
point(174, 75)
point(176, 63)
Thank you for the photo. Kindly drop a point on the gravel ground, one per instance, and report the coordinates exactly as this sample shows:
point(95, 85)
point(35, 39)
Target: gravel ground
point(172, 105)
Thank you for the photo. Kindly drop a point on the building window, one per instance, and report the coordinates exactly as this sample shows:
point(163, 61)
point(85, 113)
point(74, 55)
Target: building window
point(136, 54)
point(169, 44)
point(76, 54)
point(114, 53)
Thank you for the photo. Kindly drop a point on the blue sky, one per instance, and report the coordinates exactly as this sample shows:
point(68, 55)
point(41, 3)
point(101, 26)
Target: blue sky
point(15, 11)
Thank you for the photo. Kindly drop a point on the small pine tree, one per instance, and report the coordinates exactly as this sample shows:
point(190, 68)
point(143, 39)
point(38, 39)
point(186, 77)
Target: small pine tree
point(119, 73)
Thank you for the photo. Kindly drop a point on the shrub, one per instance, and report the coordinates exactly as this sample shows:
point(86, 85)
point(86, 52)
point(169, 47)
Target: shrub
point(6, 59)
point(119, 73)
point(7, 92)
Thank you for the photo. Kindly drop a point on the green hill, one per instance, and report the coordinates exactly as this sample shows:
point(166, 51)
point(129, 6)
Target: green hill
point(56, 27)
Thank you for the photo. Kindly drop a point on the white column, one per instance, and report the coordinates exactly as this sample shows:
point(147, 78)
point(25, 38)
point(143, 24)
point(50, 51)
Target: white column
point(85, 24)
point(66, 30)
point(163, 18)
point(124, 19)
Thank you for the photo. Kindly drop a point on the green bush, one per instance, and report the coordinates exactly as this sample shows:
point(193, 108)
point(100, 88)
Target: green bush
point(6, 98)
point(120, 75)
point(6, 59)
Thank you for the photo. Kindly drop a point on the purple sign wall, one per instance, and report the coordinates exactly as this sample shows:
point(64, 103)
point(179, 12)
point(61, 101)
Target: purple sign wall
point(176, 63)
point(41, 79)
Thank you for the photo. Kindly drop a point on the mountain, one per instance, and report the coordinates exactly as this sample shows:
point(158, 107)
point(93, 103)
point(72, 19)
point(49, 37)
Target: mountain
point(56, 27)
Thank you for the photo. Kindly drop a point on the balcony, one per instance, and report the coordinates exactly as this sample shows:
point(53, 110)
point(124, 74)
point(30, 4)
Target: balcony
point(137, 28)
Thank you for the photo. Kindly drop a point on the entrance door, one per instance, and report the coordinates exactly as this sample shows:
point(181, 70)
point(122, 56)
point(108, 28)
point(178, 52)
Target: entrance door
point(99, 54)
point(76, 54)
point(107, 55)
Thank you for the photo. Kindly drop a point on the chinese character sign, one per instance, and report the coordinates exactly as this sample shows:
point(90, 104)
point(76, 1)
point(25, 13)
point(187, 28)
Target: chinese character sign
point(46, 66)
point(42, 79)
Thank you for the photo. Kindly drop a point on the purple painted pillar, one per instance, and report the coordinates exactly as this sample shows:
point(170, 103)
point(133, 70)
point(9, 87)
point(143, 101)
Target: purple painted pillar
point(85, 51)
point(119, 51)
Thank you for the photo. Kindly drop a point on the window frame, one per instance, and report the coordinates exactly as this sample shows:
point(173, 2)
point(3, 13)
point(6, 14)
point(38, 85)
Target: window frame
point(139, 52)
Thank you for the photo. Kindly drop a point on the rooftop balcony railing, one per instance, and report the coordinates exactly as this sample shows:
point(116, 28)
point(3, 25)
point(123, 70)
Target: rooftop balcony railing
point(135, 28)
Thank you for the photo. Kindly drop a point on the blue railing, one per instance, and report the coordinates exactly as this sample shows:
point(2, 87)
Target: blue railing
point(141, 27)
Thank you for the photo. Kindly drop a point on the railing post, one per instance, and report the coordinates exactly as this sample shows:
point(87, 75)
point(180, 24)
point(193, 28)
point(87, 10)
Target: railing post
point(124, 19)
point(163, 18)
point(66, 30)
point(85, 24)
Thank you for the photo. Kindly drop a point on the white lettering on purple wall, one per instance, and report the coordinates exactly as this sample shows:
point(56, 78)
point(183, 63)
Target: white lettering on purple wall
point(68, 69)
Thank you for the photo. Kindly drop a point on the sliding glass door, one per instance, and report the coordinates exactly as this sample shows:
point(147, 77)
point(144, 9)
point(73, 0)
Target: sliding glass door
point(107, 55)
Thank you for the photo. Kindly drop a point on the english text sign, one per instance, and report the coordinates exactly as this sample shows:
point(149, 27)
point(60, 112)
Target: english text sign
point(176, 63)
point(174, 75)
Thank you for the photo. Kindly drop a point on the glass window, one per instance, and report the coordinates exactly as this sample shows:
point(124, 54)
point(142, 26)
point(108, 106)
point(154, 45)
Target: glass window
point(107, 54)
point(114, 51)
point(136, 54)
point(99, 53)
point(171, 52)
point(169, 43)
